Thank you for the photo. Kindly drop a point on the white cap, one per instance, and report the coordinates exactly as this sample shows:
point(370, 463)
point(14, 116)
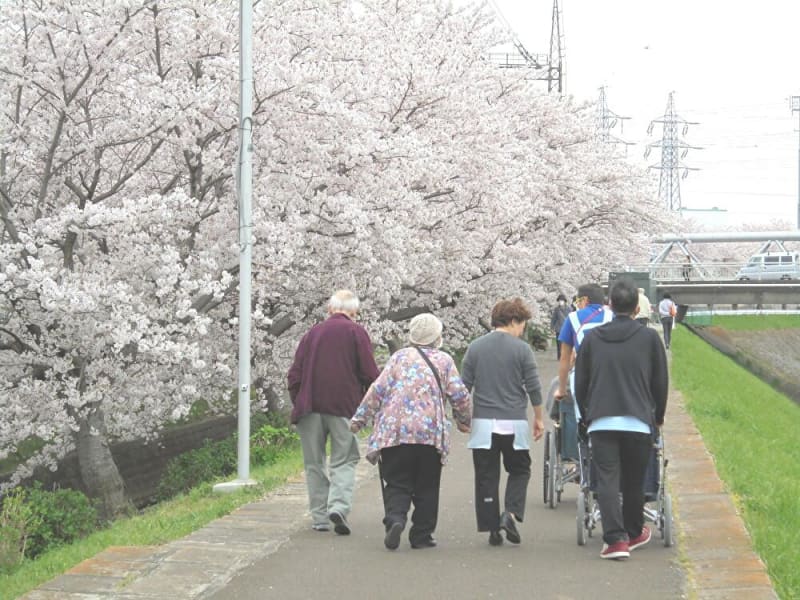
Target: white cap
point(425, 330)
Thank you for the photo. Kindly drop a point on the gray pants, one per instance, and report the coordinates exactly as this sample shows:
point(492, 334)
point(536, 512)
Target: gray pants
point(329, 489)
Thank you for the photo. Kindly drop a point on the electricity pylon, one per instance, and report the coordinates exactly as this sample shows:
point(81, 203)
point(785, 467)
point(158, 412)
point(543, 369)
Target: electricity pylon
point(556, 77)
point(673, 149)
point(607, 119)
point(544, 67)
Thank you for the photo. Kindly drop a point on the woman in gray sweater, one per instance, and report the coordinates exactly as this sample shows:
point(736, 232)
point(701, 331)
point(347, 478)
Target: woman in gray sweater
point(500, 371)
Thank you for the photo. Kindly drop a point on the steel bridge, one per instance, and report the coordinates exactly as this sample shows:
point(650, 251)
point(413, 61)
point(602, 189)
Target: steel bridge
point(693, 282)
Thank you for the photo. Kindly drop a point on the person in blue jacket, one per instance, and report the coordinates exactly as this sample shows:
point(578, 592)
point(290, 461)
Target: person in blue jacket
point(591, 312)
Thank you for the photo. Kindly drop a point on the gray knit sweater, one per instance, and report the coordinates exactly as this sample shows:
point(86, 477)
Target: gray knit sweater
point(500, 371)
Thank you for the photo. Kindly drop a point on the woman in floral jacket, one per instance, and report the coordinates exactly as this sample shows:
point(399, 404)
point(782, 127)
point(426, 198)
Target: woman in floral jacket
point(411, 438)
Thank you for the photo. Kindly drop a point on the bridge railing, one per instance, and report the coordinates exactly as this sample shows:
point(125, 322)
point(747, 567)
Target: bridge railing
point(687, 272)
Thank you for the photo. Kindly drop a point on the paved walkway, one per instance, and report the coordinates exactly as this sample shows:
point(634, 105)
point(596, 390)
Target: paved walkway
point(267, 550)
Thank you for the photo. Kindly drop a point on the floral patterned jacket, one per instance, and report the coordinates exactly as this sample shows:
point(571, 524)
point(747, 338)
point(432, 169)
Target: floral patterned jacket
point(406, 405)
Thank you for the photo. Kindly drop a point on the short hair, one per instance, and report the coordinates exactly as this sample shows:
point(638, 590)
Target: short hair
point(667, 296)
point(561, 297)
point(343, 300)
point(593, 292)
point(506, 311)
point(624, 296)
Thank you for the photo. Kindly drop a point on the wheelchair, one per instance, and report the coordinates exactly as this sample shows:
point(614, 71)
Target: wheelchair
point(658, 503)
point(561, 458)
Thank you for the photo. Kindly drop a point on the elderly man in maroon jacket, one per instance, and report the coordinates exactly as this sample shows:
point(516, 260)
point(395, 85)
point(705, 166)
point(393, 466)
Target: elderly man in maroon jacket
point(332, 369)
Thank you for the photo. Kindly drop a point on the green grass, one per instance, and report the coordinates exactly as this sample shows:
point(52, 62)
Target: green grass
point(755, 322)
point(751, 430)
point(162, 523)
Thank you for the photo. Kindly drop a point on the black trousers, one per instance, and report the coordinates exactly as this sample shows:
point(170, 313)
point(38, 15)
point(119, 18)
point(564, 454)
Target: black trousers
point(517, 464)
point(620, 461)
point(666, 323)
point(411, 473)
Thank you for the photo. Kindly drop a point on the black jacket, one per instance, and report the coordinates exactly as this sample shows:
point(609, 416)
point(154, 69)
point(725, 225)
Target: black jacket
point(621, 370)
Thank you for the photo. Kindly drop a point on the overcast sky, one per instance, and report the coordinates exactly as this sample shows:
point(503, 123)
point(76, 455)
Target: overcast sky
point(733, 66)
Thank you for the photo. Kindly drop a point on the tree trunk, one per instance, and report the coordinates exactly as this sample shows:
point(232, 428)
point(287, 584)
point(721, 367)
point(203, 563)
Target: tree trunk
point(98, 470)
point(279, 407)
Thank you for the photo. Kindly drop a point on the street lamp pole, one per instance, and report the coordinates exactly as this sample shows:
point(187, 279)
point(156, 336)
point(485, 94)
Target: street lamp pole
point(245, 191)
point(796, 108)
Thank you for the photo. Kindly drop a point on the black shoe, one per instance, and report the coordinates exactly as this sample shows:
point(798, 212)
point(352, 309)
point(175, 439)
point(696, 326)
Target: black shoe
point(427, 542)
point(507, 525)
point(495, 539)
point(340, 524)
point(392, 539)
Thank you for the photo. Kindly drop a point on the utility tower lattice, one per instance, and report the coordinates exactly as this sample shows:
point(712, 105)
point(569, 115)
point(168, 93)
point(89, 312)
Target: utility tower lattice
point(607, 120)
point(545, 67)
point(673, 149)
point(556, 78)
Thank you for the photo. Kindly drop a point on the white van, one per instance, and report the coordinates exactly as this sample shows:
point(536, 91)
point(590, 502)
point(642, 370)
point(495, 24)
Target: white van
point(771, 266)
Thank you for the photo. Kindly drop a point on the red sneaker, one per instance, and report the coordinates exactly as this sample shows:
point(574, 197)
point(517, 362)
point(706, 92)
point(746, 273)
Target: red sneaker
point(617, 550)
point(641, 539)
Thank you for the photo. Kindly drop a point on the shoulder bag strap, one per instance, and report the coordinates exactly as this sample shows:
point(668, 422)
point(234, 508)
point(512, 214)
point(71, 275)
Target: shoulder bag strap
point(434, 369)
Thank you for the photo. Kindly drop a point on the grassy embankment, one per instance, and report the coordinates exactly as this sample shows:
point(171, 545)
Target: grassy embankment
point(167, 521)
point(751, 430)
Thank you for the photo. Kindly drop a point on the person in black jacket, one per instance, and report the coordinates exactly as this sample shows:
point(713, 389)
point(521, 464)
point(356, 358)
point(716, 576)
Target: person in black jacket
point(621, 386)
point(557, 318)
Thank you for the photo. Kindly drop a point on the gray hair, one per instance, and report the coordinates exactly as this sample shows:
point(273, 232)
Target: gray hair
point(343, 301)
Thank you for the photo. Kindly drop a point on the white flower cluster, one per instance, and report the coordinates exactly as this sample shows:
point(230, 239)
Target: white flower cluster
point(389, 158)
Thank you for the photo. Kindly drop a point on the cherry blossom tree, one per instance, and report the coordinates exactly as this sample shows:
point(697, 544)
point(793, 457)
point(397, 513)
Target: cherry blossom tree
point(445, 184)
point(96, 265)
point(390, 158)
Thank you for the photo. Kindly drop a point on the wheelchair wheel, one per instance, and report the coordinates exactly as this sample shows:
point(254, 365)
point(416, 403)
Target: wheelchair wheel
point(546, 465)
point(580, 519)
point(554, 473)
point(666, 522)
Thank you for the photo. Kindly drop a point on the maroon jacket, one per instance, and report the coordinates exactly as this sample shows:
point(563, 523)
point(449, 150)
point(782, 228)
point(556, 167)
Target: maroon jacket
point(332, 369)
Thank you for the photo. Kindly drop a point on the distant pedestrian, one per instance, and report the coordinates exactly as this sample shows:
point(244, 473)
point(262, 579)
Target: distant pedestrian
point(666, 312)
point(621, 385)
point(643, 314)
point(500, 370)
point(410, 439)
point(557, 319)
point(332, 368)
point(686, 269)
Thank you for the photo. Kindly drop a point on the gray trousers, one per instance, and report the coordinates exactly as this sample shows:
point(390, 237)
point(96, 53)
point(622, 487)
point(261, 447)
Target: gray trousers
point(329, 489)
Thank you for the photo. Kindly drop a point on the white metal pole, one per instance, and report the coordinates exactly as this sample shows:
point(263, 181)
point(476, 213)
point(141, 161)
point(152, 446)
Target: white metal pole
point(795, 104)
point(245, 191)
point(245, 228)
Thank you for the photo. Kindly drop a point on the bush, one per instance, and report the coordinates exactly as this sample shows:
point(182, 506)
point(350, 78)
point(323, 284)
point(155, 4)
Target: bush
point(538, 336)
point(212, 460)
point(218, 459)
point(269, 443)
point(16, 518)
point(57, 517)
